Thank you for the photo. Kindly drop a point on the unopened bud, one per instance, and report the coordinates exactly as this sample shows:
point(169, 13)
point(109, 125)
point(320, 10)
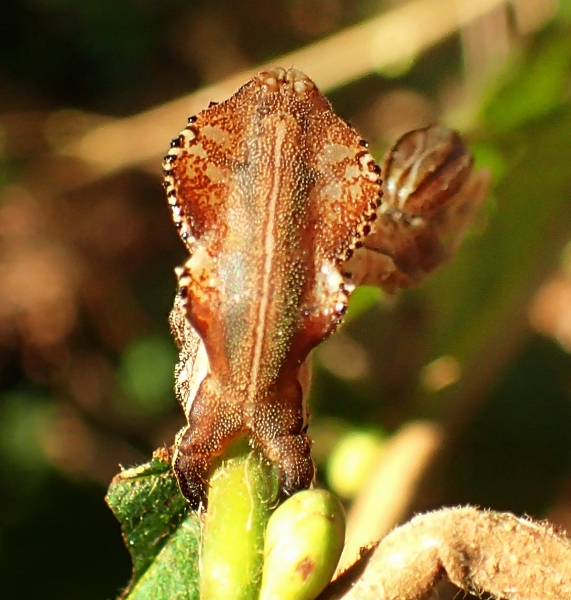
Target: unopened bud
point(304, 540)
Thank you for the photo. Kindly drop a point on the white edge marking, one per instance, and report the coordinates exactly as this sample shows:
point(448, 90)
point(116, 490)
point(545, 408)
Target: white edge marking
point(269, 248)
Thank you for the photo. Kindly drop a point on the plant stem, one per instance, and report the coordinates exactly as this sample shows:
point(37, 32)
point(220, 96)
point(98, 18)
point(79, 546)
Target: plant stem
point(242, 495)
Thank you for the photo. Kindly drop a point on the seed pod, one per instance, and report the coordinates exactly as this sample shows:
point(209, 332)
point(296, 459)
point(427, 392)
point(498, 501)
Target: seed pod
point(304, 540)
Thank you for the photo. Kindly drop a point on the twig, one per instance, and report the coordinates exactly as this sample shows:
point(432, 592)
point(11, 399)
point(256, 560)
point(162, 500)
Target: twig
point(394, 37)
point(385, 499)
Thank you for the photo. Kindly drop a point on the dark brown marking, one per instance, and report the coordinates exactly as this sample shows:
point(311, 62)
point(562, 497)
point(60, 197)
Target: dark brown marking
point(305, 567)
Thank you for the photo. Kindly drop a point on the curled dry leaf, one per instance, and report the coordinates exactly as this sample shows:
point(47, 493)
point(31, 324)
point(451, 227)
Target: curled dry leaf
point(500, 554)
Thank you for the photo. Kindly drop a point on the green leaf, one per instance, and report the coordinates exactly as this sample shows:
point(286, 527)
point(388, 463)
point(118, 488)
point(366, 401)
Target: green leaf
point(146, 375)
point(538, 84)
point(162, 536)
point(479, 302)
point(362, 299)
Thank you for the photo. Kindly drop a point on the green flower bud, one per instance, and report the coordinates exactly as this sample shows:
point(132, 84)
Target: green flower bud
point(303, 543)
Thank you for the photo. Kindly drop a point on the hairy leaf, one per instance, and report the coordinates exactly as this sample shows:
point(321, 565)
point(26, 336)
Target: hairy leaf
point(161, 535)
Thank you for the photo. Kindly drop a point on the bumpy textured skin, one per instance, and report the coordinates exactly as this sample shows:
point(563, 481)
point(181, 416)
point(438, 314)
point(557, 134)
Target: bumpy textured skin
point(271, 193)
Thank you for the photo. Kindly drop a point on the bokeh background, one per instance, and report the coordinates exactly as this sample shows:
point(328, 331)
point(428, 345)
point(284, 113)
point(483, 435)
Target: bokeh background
point(453, 393)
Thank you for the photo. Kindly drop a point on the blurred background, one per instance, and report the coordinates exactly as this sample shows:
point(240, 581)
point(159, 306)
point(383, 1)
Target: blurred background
point(458, 392)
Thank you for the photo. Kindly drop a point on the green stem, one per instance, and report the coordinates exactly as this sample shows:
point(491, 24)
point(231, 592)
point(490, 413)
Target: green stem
point(242, 495)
